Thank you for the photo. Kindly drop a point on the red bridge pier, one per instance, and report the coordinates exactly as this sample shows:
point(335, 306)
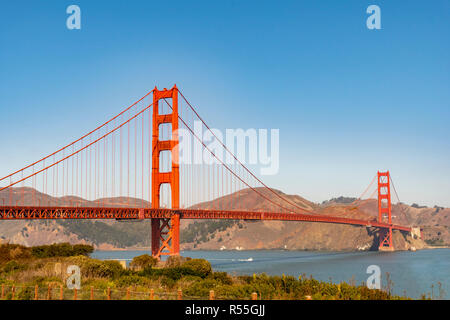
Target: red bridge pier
point(165, 231)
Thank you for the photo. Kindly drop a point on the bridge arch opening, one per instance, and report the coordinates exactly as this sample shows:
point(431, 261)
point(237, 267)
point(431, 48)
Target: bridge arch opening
point(165, 132)
point(165, 196)
point(164, 107)
point(165, 161)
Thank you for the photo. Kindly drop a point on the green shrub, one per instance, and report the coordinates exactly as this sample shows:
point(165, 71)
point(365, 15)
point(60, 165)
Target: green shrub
point(234, 291)
point(190, 278)
point(82, 249)
point(129, 280)
point(101, 269)
point(222, 277)
point(175, 273)
point(13, 251)
point(12, 266)
point(98, 268)
point(201, 267)
point(200, 288)
point(167, 282)
point(79, 260)
point(143, 261)
point(61, 250)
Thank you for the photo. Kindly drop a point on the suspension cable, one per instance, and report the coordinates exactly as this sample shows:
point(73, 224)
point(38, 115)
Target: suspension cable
point(362, 194)
point(393, 186)
point(74, 142)
point(230, 170)
point(79, 150)
point(251, 173)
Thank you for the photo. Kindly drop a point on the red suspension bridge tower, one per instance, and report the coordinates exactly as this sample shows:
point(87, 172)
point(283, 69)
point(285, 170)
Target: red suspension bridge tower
point(384, 211)
point(165, 231)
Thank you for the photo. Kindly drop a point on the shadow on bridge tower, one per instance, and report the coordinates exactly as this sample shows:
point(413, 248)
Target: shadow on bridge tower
point(384, 211)
point(165, 231)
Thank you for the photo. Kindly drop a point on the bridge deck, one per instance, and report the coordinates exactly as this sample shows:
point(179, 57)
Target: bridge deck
point(24, 212)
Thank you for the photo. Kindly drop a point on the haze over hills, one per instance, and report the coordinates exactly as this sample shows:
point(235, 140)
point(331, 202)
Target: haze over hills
point(229, 234)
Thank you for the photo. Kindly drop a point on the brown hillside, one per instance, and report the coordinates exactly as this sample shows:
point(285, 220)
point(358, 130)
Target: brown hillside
point(295, 235)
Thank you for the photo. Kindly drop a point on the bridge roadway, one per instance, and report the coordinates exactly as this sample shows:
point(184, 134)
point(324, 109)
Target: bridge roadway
point(25, 212)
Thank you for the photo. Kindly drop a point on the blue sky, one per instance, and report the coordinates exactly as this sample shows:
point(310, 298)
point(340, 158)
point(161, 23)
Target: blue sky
point(348, 101)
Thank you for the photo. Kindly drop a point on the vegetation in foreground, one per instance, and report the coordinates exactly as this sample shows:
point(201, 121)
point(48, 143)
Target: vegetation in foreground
point(45, 266)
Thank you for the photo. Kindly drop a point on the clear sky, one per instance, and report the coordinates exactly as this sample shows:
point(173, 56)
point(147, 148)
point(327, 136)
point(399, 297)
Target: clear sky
point(348, 100)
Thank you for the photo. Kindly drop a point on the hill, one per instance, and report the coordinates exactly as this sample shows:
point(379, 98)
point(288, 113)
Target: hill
point(103, 234)
point(293, 235)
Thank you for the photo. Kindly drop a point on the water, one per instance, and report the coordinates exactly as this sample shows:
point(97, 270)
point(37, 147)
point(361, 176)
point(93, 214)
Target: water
point(411, 273)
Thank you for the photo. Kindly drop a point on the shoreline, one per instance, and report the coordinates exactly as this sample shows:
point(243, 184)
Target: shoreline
point(436, 247)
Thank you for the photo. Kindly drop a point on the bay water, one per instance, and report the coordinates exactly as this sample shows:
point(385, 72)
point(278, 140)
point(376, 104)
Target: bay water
point(405, 272)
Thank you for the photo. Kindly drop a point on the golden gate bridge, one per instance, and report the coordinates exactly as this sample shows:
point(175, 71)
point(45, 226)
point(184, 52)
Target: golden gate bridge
point(129, 168)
